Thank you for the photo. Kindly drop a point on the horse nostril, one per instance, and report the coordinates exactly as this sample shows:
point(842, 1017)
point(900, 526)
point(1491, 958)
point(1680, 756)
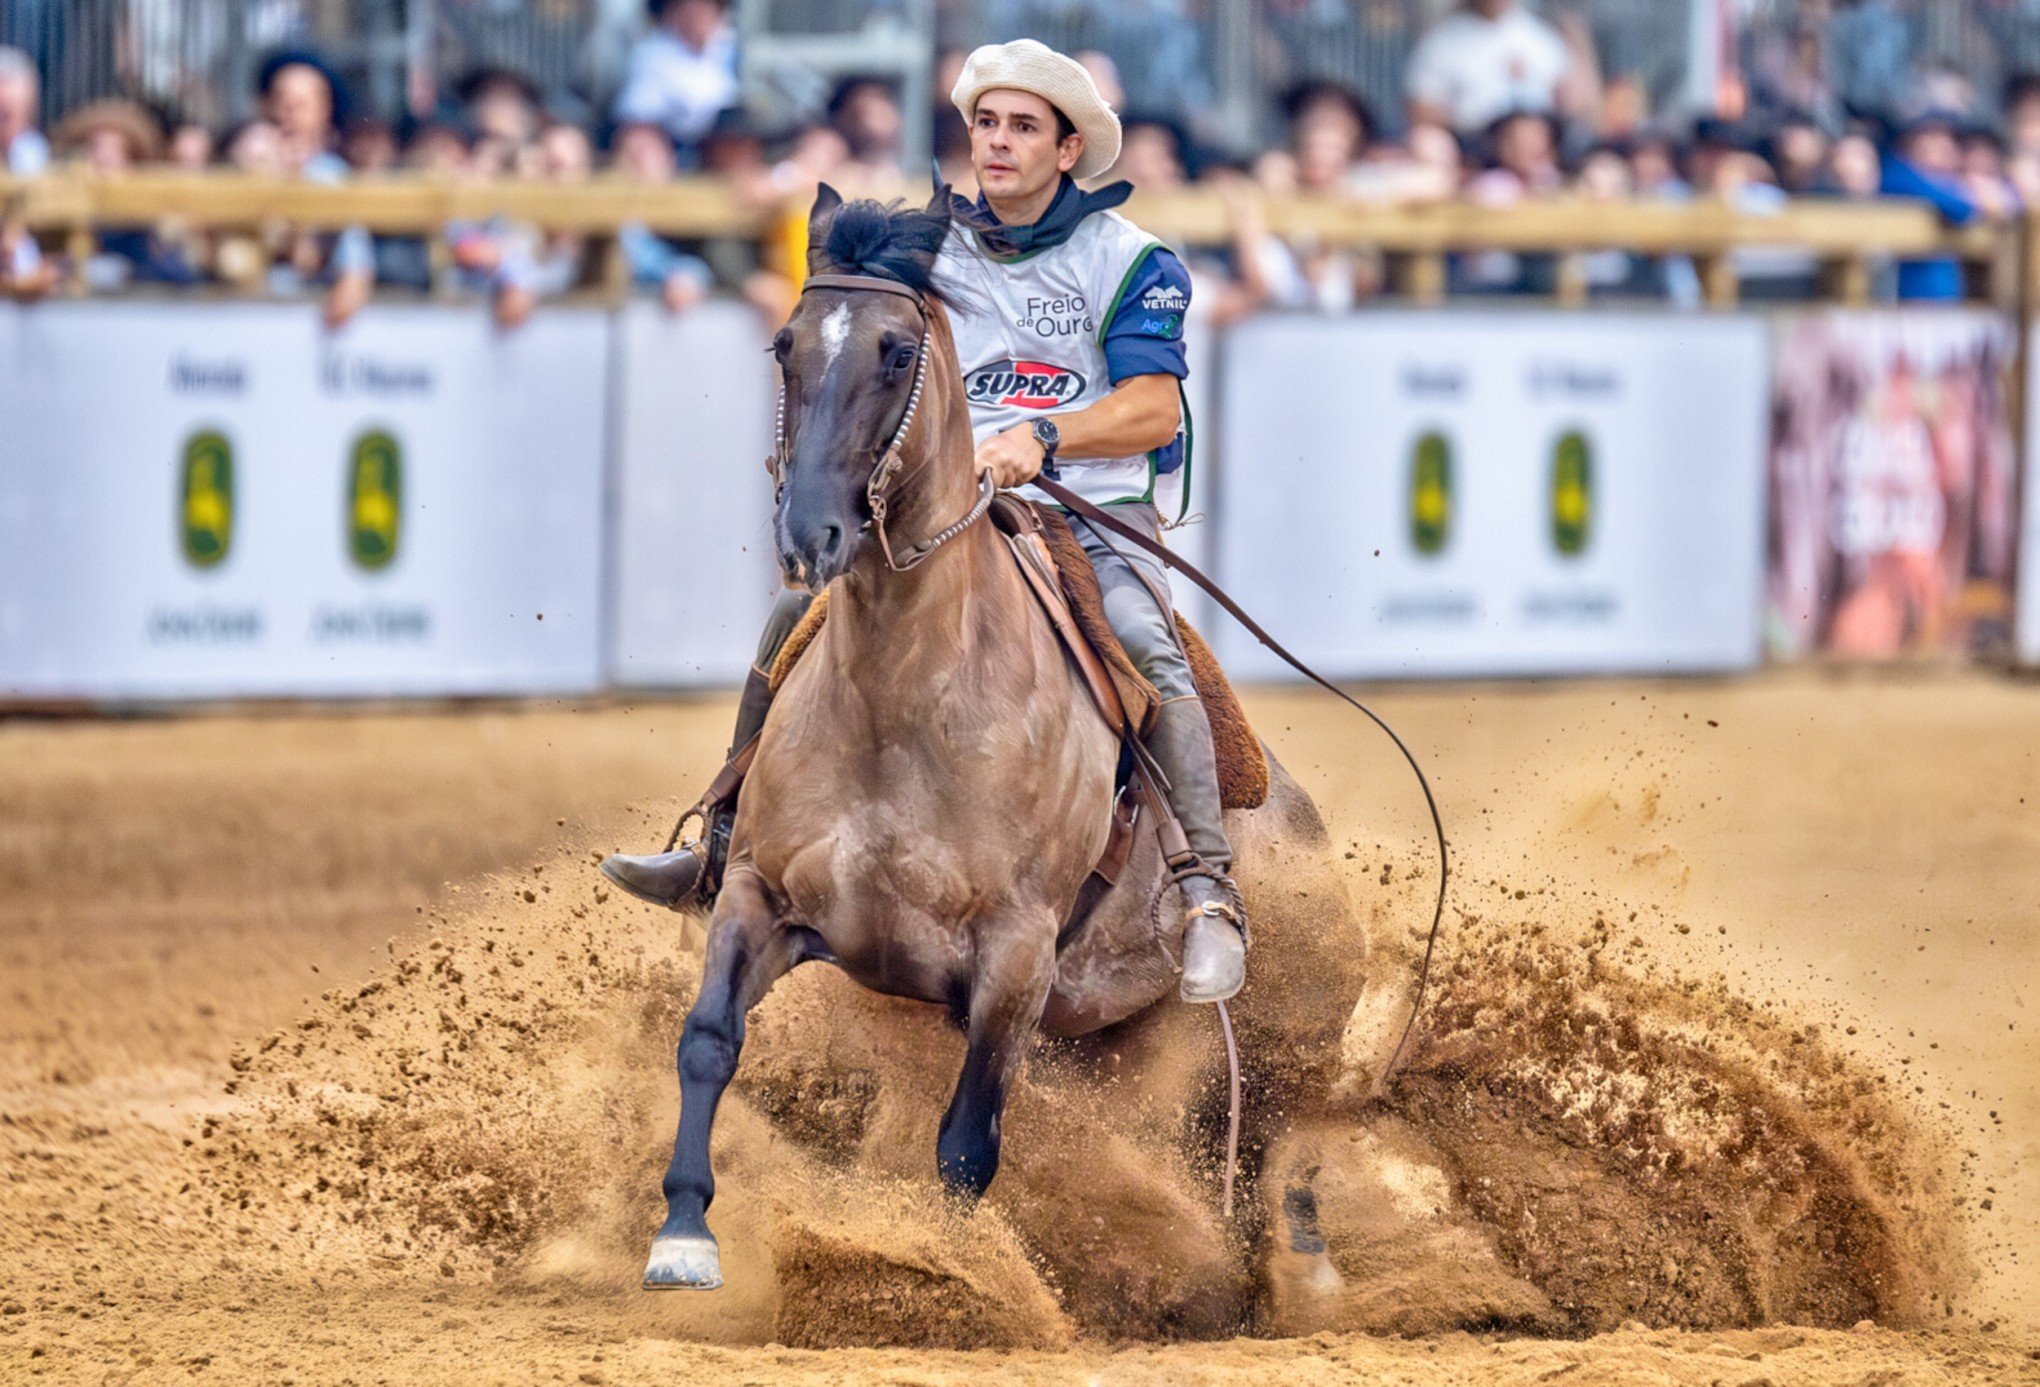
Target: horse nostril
point(832, 540)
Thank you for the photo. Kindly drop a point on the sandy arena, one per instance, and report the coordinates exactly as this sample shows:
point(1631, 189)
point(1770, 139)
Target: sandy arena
point(328, 1056)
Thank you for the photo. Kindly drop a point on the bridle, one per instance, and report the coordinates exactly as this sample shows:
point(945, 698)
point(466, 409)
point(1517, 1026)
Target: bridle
point(878, 487)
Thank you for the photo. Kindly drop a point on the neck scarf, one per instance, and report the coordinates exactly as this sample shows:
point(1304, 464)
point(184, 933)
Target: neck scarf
point(1071, 205)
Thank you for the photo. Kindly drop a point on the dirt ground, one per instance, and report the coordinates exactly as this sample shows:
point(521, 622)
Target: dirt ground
point(220, 928)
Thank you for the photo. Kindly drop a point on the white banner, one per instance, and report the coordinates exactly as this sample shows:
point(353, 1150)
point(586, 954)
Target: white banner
point(1422, 494)
point(227, 500)
point(695, 572)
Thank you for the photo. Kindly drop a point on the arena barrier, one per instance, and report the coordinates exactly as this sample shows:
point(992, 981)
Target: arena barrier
point(1440, 494)
point(206, 501)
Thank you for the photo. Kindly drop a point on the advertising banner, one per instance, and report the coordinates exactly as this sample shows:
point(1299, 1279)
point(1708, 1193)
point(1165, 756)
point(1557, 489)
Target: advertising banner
point(1892, 470)
point(694, 571)
point(1428, 494)
point(228, 500)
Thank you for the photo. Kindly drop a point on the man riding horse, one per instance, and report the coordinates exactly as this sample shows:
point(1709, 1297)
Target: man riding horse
point(1071, 333)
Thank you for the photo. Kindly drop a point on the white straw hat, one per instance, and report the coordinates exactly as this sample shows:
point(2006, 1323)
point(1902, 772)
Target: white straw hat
point(1030, 66)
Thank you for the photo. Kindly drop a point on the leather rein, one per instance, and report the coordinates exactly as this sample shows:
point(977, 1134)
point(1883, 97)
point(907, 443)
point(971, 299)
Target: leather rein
point(878, 487)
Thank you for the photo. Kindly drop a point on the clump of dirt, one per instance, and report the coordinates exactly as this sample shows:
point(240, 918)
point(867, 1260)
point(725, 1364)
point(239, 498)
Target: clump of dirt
point(1571, 1144)
point(1659, 1150)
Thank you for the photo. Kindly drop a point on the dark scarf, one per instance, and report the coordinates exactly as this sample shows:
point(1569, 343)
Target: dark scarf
point(1071, 205)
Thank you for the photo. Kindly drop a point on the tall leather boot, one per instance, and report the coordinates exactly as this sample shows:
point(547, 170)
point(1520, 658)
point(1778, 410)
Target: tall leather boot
point(1214, 934)
point(692, 873)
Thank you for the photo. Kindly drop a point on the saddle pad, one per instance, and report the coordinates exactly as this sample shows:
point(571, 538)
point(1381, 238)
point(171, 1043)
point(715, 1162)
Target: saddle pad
point(1242, 763)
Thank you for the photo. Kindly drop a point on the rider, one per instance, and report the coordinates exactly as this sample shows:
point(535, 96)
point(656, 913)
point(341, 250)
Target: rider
point(1069, 325)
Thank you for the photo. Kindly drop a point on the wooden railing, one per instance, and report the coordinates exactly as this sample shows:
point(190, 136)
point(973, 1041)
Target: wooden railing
point(1848, 239)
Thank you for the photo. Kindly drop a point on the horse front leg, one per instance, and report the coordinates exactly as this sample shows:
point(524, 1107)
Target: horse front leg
point(748, 951)
point(1014, 971)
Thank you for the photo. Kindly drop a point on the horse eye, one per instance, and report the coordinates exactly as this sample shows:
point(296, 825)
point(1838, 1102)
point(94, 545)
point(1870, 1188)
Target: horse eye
point(901, 359)
point(782, 342)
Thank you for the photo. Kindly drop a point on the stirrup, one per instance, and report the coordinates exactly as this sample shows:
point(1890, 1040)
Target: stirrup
point(1232, 909)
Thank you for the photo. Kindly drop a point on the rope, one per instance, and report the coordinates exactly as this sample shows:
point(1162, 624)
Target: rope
point(1063, 496)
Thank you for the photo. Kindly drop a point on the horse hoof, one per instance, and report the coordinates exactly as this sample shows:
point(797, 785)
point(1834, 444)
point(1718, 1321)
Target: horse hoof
point(683, 1264)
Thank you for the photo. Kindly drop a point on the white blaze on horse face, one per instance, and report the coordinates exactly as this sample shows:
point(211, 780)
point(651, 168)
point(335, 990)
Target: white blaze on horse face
point(835, 332)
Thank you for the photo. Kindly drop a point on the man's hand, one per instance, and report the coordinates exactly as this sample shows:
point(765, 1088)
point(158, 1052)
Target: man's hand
point(1013, 456)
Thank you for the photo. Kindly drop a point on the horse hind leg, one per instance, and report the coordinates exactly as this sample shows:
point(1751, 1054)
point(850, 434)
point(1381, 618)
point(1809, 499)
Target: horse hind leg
point(1015, 968)
point(748, 951)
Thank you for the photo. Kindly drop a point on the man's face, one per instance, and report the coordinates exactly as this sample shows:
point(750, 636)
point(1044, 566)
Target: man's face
point(301, 104)
point(17, 105)
point(1013, 147)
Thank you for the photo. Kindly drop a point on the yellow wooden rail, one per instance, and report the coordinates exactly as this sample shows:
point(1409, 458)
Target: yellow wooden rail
point(1847, 238)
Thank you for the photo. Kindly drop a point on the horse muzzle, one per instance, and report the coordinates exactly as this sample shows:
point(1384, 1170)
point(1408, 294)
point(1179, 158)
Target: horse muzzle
point(814, 554)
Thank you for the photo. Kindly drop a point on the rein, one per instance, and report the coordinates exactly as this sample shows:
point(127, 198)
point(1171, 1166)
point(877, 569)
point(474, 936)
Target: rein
point(1077, 505)
point(878, 487)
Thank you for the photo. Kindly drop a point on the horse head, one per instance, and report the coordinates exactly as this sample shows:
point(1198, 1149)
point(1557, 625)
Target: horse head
point(850, 362)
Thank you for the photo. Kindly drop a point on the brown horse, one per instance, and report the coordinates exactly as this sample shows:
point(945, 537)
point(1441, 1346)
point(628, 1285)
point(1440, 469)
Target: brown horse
point(933, 784)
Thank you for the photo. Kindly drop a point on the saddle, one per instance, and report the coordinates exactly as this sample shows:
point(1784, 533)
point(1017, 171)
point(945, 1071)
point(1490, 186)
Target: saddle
point(1059, 574)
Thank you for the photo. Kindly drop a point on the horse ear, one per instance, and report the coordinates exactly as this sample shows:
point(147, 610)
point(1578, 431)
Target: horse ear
point(943, 204)
point(827, 200)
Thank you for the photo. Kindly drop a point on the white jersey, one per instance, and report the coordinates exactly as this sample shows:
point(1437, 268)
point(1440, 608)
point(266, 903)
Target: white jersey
point(1030, 336)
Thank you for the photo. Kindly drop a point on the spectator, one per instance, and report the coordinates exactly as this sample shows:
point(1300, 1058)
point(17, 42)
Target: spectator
point(1603, 178)
point(865, 111)
point(1799, 153)
point(1654, 168)
point(1855, 169)
point(302, 99)
point(1152, 154)
point(1926, 163)
point(191, 147)
point(683, 72)
point(23, 150)
point(1329, 127)
point(1522, 163)
point(369, 146)
point(1523, 160)
point(534, 266)
point(500, 104)
point(1985, 172)
point(644, 154)
point(110, 136)
point(1484, 60)
point(25, 275)
point(437, 148)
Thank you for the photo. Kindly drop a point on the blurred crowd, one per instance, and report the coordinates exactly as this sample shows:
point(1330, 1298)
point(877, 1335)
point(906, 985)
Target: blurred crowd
point(1499, 106)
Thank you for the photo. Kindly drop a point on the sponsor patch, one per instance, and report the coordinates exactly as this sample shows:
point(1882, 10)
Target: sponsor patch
point(1165, 298)
point(1024, 385)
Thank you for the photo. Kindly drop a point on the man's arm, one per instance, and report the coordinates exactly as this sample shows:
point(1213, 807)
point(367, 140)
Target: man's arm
point(1141, 413)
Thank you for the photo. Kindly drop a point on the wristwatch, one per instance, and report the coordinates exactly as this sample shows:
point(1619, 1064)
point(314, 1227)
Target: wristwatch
point(1049, 437)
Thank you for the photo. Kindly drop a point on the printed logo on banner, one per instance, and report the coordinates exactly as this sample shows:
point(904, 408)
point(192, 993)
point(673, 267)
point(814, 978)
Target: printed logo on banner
point(375, 498)
point(1024, 385)
point(1572, 493)
point(1431, 492)
point(205, 499)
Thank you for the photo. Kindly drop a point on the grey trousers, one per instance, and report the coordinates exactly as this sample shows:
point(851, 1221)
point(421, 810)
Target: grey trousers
point(1135, 586)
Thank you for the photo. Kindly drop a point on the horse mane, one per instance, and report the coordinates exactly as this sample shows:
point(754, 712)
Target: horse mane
point(889, 241)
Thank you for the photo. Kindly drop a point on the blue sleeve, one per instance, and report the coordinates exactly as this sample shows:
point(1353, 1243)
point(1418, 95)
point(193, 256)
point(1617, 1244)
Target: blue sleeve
point(1903, 180)
point(1144, 335)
